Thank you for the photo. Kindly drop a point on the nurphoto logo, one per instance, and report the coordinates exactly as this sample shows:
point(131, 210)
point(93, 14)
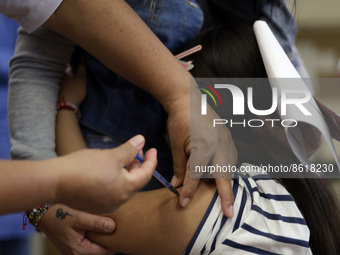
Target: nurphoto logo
point(281, 98)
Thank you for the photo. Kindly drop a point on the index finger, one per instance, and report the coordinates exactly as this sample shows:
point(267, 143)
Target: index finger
point(225, 192)
point(189, 188)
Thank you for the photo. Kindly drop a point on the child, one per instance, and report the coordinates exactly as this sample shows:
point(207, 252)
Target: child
point(272, 216)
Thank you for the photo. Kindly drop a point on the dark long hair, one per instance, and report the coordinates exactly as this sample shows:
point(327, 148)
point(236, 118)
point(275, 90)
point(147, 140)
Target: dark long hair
point(232, 51)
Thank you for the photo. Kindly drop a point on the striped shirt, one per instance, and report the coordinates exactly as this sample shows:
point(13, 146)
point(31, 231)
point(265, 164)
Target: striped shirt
point(266, 221)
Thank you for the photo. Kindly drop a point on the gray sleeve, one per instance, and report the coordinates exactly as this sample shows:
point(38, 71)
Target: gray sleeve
point(35, 73)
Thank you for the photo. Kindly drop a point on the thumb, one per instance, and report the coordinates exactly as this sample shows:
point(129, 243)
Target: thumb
point(140, 176)
point(96, 223)
point(127, 152)
point(225, 192)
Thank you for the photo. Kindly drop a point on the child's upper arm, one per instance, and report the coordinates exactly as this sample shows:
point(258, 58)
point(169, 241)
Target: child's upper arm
point(153, 222)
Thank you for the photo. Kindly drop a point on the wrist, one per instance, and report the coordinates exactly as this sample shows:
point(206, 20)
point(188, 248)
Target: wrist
point(62, 104)
point(48, 171)
point(178, 101)
point(64, 177)
point(172, 90)
point(180, 105)
point(184, 98)
point(45, 187)
point(46, 218)
point(35, 215)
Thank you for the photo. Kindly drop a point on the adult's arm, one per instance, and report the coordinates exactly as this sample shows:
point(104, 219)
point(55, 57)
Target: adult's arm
point(20, 190)
point(91, 180)
point(113, 33)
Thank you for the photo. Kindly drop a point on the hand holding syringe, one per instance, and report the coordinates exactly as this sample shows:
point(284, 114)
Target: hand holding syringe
point(160, 178)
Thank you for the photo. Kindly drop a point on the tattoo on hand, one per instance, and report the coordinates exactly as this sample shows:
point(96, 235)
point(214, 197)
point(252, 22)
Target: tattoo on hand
point(60, 213)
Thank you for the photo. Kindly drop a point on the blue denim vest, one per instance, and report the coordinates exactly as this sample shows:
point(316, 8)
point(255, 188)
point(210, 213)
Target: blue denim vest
point(118, 109)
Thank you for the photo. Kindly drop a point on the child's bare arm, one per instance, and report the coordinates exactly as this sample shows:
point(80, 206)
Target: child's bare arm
point(154, 223)
point(68, 134)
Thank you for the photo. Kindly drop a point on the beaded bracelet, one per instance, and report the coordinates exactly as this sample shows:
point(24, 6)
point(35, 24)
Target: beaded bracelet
point(62, 104)
point(34, 217)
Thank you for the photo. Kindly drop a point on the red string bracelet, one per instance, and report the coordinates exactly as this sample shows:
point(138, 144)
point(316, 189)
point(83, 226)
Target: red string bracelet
point(63, 105)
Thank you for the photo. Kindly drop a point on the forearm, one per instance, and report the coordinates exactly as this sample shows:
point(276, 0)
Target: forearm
point(35, 74)
point(122, 41)
point(26, 184)
point(68, 134)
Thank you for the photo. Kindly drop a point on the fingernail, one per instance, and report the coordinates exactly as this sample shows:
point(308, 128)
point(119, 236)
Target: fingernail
point(185, 202)
point(137, 140)
point(109, 226)
point(174, 181)
point(231, 211)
